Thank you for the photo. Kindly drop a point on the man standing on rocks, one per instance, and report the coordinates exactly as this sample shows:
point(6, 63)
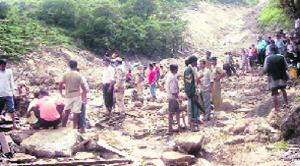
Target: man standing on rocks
point(252, 56)
point(206, 82)
point(244, 57)
point(276, 67)
point(108, 81)
point(120, 85)
point(7, 90)
point(152, 81)
point(139, 82)
point(261, 51)
point(73, 82)
point(218, 74)
point(172, 89)
point(208, 64)
point(190, 90)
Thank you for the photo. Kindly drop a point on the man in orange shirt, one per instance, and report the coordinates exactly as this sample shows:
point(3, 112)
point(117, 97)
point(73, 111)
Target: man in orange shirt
point(46, 111)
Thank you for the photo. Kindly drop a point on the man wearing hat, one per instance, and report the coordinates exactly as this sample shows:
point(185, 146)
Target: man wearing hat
point(120, 76)
point(218, 74)
point(108, 80)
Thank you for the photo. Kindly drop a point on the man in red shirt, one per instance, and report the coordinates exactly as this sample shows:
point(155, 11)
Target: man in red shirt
point(46, 111)
point(152, 81)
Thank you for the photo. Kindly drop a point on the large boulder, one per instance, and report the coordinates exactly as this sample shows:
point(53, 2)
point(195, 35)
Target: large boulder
point(19, 136)
point(189, 143)
point(176, 158)
point(51, 143)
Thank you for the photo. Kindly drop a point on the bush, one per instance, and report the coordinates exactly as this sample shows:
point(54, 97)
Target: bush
point(4, 8)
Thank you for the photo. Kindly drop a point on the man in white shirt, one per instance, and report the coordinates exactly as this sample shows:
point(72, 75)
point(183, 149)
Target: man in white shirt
point(108, 85)
point(297, 25)
point(7, 90)
point(206, 83)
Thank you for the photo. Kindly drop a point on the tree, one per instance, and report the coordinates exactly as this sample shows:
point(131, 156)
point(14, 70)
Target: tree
point(291, 7)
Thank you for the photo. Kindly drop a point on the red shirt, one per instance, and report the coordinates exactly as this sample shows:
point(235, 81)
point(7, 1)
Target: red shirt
point(48, 109)
point(151, 76)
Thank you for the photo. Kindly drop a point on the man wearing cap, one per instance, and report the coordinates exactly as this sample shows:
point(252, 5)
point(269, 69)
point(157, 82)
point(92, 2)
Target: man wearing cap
point(120, 76)
point(218, 74)
point(108, 80)
point(276, 66)
point(208, 64)
point(73, 82)
point(7, 91)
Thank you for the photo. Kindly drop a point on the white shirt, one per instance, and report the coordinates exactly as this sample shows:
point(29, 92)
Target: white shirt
point(172, 86)
point(206, 80)
point(6, 83)
point(108, 75)
point(290, 48)
point(297, 23)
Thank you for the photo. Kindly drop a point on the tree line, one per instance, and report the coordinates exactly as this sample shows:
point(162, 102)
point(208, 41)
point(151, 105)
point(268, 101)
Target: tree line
point(137, 26)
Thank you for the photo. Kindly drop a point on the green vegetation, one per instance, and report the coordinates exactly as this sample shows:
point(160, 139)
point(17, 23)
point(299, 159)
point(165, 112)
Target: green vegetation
point(149, 27)
point(281, 145)
point(244, 2)
point(272, 15)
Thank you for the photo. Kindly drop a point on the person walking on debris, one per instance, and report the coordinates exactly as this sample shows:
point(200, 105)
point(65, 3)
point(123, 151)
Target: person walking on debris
point(261, 51)
point(46, 111)
point(297, 26)
point(276, 66)
point(208, 64)
point(139, 82)
point(81, 118)
point(244, 58)
point(190, 90)
point(108, 81)
point(173, 91)
point(280, 45)
point(152, 81)
point(229, 65)
point(252, 56)
point(206, 81)
point(120, 76)
point(73, 102)
point(157, 71)
point(7, 91)
point(218, 74)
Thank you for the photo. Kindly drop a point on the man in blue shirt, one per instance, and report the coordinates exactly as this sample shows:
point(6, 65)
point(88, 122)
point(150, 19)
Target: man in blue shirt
point(261, 50)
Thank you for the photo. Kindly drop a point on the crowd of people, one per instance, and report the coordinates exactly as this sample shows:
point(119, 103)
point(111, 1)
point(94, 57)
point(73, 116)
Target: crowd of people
point(202, 85)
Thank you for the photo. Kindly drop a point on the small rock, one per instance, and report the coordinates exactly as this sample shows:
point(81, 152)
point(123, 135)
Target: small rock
point(141, 134)
point(228, 105)
point(175, 158)
point(83, 156)
point(152, 106)
point(235, 140)
point(222, 115)
point(189, 143)
point(138, 104)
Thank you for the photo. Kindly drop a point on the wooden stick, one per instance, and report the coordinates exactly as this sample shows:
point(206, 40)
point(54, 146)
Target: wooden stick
point(82, 162)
